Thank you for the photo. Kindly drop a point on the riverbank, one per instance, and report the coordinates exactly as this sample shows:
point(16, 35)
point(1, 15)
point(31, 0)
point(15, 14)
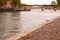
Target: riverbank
point(47, 31)
point(12, 9)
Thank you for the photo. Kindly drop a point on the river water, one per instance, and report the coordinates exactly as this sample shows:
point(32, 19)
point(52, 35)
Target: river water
point(12, 23)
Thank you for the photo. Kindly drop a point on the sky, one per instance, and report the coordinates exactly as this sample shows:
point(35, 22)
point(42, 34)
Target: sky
point(32, 2)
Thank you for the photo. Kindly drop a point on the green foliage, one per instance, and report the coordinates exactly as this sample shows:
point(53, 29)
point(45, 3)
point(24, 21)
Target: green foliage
point(58, 2)
point(16, 2)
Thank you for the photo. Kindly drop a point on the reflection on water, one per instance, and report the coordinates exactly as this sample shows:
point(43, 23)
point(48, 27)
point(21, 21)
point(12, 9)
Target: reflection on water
point(9, 24)
point(12, 23)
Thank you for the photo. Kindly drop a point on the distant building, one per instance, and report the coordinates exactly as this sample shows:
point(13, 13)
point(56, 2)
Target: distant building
point(53, 3)
point(8, 4)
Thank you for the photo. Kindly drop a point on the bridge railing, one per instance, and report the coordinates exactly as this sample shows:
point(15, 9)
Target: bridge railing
point(26, 7)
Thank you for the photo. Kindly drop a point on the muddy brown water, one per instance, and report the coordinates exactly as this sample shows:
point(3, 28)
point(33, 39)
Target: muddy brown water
point(12, 23)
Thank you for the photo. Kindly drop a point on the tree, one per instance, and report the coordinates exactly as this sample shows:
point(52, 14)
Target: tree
point(3, 2)
point(15, 2)
point(0, 3)
point(58, 2)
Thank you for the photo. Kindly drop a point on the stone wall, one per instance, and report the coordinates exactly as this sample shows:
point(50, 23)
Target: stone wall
point(49, 31)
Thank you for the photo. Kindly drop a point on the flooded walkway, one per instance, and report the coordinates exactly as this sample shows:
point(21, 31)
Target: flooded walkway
point(12, 23)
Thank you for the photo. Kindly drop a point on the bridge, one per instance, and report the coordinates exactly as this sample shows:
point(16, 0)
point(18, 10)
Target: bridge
point(39, 6)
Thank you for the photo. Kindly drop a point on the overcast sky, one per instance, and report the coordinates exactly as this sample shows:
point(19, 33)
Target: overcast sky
point(37, 1)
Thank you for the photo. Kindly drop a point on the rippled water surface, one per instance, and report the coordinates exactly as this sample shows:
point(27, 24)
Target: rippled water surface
point(12, 23)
